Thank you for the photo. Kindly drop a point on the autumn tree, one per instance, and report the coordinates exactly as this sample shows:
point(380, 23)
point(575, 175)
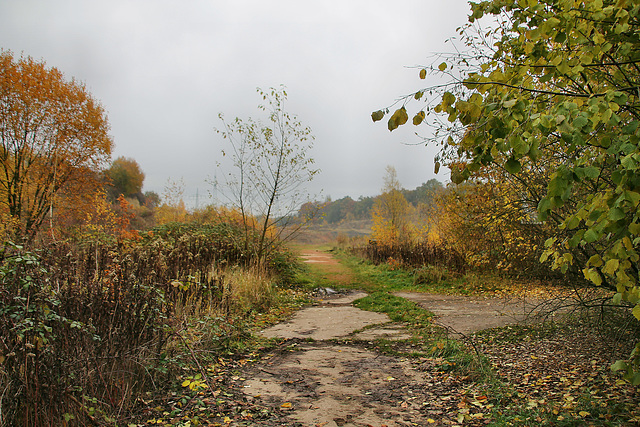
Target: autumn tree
point(491, 221)
point(390, 213)
point(100, 223)
point(554, 81)
point(73, 203)
point(126, 178)
point(52, 132)
point(425, 194)
point(310, 211)
point(151, 199)
point(271, 165)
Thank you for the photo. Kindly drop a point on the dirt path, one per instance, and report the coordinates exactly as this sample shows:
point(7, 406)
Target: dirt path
point(462, 315)
point(331, 375)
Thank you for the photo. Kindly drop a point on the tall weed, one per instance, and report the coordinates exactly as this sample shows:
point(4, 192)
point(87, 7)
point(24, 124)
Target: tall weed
point(86, 327)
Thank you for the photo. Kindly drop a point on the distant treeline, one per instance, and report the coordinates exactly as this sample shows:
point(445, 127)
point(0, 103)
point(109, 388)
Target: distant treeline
point(347, 209)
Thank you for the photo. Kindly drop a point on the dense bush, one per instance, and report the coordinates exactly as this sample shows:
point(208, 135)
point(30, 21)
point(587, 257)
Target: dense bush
point(84, 327)
point(414, 255)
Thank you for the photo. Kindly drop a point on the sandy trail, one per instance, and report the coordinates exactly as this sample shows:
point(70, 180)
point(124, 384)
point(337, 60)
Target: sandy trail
point(329, 375)
point(462, 315)
point(322, 382)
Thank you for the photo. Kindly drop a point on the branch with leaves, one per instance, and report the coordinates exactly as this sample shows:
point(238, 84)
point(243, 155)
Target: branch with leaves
point(554, 83)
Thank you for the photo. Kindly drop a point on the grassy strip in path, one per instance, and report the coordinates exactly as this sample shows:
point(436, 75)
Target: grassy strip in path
point(398, 309)
point(379, 282)
point(383, 277)
point(431, 340)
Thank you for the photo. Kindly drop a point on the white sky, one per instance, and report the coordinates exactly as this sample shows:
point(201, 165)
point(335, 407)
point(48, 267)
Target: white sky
point(164, 69)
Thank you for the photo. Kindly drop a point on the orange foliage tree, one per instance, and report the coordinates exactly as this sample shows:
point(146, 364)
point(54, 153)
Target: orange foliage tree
point(73, 203)
point(125, 231)
point(51, 130)
point(100, 222)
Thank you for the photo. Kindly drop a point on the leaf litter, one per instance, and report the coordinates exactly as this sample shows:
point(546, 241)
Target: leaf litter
point(547, 377)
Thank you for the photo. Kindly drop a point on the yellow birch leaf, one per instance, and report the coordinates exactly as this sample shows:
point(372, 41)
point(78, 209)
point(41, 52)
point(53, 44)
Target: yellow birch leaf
point(377, 115)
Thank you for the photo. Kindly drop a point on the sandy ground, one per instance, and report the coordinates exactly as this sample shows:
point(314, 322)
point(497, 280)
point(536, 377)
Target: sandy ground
point(462, 315)
point(323, 382)
point(329, 376)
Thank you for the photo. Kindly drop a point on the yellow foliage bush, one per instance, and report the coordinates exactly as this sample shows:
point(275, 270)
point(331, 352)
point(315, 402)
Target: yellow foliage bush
point(491, 221)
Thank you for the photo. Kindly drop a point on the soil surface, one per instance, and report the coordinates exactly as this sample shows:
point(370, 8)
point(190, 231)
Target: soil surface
point(331, 375)
point(327, 367)
point(462, 315)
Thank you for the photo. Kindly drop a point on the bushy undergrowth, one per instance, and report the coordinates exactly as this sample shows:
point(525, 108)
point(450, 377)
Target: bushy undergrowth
point(413, 254)
point(85, 327)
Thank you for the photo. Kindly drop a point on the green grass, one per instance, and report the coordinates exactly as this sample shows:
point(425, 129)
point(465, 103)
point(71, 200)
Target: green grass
point(373, 278)
point(398, 309)
point(380, 282)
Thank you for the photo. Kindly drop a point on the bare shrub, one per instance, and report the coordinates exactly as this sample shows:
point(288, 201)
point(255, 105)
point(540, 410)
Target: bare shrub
point(414, 255)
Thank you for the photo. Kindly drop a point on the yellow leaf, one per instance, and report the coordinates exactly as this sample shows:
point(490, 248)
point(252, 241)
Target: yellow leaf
point(286, 405)
point(423, 74)
point(431, 420)
point(584, 413)
point(186, 383)
point(227, 420)
point(377, 115)
point(398, 118)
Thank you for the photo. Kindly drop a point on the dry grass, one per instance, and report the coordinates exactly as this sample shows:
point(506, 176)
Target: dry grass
point(250, 289)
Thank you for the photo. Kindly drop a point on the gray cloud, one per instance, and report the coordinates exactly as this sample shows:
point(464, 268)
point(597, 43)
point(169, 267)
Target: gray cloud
point(165, 69)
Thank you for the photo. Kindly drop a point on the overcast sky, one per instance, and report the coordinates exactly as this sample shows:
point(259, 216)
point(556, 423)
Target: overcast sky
point(164, 69)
